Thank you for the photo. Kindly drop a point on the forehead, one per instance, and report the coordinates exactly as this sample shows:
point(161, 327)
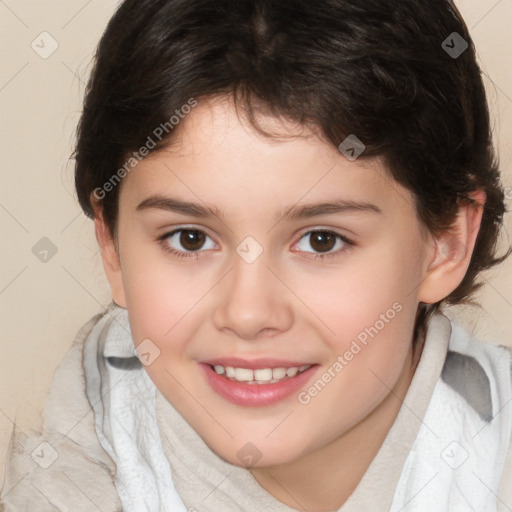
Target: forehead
point(217, 157)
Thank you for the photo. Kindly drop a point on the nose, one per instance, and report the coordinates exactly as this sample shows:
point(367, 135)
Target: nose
point(253, 302)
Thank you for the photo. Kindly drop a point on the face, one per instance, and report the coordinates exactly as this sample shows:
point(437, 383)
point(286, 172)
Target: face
point(296, 266)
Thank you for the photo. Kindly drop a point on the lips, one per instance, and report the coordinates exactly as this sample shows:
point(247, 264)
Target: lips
point(250, 393)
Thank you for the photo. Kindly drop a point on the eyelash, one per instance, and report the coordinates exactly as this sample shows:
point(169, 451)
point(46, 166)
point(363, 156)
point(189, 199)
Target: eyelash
point(315, 256)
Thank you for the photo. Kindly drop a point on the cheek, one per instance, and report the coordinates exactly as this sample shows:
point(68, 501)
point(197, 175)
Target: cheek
point(154, 307)
point(352, 296)
point(369, 308)
point(367, 360)
point(160, 293)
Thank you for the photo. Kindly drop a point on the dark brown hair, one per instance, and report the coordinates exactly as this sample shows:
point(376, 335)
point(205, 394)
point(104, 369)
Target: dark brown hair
point(379, 70)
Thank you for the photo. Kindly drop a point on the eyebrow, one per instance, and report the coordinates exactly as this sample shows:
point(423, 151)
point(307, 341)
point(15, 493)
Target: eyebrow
point(293, 212)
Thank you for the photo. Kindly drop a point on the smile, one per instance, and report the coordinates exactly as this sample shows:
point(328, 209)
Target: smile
point(257, 387)
point(261, 375)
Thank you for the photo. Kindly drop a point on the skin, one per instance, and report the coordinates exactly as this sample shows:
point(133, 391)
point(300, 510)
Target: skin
point(285, 304)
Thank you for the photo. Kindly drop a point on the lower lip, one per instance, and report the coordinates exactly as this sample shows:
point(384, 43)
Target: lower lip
point(255, 395)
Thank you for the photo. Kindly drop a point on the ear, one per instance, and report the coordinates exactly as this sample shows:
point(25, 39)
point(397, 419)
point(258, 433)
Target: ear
point(109, 255)
point(452, 251)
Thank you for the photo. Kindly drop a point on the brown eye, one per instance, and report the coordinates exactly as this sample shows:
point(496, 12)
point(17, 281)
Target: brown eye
point(192, 239)
point(185, 241)
point(322, 241)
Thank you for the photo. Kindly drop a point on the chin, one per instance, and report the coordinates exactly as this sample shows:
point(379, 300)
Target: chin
point(256, 455)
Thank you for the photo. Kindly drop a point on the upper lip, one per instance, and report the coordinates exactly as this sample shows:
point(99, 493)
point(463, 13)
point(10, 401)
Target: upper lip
point(254, 364)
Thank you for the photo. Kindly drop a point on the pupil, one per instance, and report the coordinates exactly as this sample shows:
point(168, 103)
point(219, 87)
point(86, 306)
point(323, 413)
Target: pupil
point(192, 240)
point(322, 241)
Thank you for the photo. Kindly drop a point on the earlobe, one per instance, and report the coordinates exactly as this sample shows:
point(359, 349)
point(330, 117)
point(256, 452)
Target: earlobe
point(452, 251)
point(109, 256)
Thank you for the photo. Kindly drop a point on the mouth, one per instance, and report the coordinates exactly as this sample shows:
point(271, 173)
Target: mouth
point(257, 383)
point(259, 376)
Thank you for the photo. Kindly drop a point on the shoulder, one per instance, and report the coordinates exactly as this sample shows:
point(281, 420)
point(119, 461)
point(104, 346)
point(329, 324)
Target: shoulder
point(481, 372)
point(474, 366)
point(62, 466)
point(465, 434)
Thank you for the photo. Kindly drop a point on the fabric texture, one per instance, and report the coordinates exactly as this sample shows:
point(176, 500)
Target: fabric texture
point(81, 478)
point(112, 442)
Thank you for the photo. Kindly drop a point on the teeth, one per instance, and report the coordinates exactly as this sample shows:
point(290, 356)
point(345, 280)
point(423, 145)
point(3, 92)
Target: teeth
point(263, 374)
point(259, 376)
point(291, 372)
point(219, 369)
point(244, 374)
point(278, 373)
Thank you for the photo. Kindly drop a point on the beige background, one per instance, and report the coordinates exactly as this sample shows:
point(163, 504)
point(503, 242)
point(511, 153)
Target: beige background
point(44, 304)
